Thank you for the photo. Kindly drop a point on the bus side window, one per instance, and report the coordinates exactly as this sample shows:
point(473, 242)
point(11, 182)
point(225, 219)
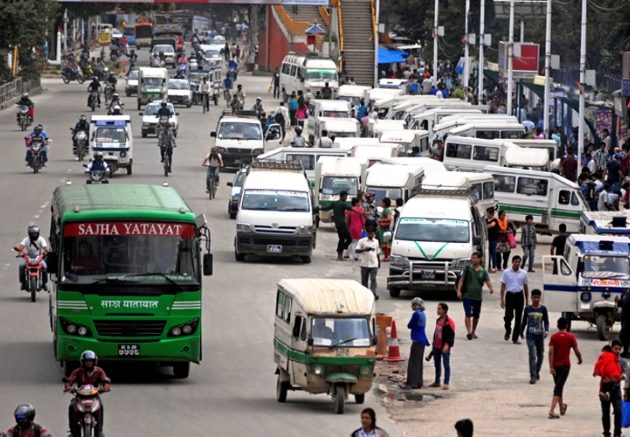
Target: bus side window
point(287, 309)
point(286, 69)
point(303, 330)
point(512, 135)
point(532, 186)
point(504, 184)
point(459, 151)
point(297, 325)
point(476, 190)
point(425, 124)
point(483, 153)
point(487, 134)
point(280, 305)
point(563, 197)
point(574, 199)
point(488, 190)
point(293, 70)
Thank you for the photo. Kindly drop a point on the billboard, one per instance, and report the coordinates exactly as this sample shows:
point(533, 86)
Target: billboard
point(527, 62)
point(207, 2)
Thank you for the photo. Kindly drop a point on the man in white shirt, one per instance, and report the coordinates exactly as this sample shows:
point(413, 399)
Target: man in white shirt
point(324, 141)
point(603, 200)
point(514, 296)
point(369, 250)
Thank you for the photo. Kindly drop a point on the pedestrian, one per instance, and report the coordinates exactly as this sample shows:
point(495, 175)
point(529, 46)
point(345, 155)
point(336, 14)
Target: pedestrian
point(339, 208)
point(536, 324)
point(397, 210)
point(301, 113)
point(384, 224)
point(528, 242)
point(610, 371)
point(559, 241)
point(464, 428)
point(514, 295)
point(417, 324)
point(355, 220)
point(503, 243)
point(275, 84)
point(493, 237)
point(601, 157)
point(560, 346)
point(469, 290)
point(370, 211)
point(443, 340)
point(368, 426)
point(368, 250)
point(603, 200)
point(569, 166)
point(293, 106)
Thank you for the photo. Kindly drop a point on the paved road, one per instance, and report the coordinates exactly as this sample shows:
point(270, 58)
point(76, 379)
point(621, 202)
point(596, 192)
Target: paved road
point(232, 392)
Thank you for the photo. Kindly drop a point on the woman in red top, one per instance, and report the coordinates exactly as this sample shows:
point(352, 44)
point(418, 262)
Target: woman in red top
point(443, 340)
point(608, 368)
point(355, 220)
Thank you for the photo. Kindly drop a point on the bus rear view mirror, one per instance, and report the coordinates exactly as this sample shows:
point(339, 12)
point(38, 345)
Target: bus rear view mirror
point(207, 264)
point(51, 261)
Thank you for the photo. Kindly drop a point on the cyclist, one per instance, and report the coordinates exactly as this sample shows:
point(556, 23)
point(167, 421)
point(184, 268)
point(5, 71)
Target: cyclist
point(214, 161)
point(204, 89)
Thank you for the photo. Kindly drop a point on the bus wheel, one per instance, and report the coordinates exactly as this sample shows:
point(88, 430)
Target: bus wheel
point(181, 370)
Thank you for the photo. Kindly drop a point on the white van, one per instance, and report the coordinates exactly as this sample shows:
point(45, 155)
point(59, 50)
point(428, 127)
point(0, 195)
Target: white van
point(354, 94)
point(332, 176)
point(447, 124)
point(349, 143)
point(433, 240)
point(373, 154)
point(528, 159)
point(429, 165)
point(275, 214)
point(490, 130)
point(337, 127)
point(430, 118)
point(549, 145)
point(549, 198)
point(395, 181)
point(378, 126)
point(308, 74)
point(307, 157)
point(112, 135)
point(481, 185)
point(400, 84)
point(408, 139)
point(329, 108)
point(605, 222)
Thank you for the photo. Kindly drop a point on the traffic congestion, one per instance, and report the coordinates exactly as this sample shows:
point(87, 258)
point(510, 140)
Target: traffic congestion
point(208, 247)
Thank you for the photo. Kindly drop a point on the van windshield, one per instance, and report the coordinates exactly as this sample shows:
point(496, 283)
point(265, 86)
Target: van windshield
point(333, 185)
point(275, 200)
point(152, 82)
point(436, 230)
point(240, 131)
point(605, 266)
point(335, 114)
point(342, 134)
point(321, 75)
point(340, 331)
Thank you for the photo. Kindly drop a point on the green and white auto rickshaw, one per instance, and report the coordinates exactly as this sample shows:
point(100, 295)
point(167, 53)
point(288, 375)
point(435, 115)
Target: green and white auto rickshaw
point(324, 338)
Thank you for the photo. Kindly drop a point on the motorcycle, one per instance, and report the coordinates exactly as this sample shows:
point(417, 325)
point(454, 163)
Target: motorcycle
point(24, 118)
point(109, 90)
point(72, 73)
point(114, 53)
point(36, 145)
point(182, 68)
point(93, 100)
point(33, 273)
point(80, 144)
point(164, 150)
point(87, 406)
point(96, 176)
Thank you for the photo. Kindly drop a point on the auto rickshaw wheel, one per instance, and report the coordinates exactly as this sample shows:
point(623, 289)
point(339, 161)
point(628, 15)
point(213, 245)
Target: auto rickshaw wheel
point(282, 387)
point(359, 399)
point(340, 398)
point(603, 328)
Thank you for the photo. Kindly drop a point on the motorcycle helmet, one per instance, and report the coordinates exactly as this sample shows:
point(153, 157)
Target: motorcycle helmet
point(98, 156)
point(38, 129)
point(116, 110)
point(88, 355)
point(24, 415)
point(83, 117)
point(25, 96)
point(114, 95)
point(298, 130)
point(33, 232)
point(163, 104)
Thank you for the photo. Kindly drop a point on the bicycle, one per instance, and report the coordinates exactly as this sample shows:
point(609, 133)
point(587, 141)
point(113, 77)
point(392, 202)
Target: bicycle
point(166, 159)
point(211, 181)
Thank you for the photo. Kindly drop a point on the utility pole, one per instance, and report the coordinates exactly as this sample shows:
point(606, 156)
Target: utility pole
point(510, 78)
point(466, 54)
point(582, 85)
point(547, 67)
point(482, 18)
point(435, 42)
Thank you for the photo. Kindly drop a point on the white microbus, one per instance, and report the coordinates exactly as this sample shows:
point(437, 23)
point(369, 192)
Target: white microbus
point(308, 74)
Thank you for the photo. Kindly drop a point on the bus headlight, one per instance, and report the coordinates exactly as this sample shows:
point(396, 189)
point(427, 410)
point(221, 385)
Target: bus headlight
point(187, 328)
point(460, 263)
point(123, 154)
point(72, 328)
point(257, 152)
point(176, 331)
point(244, 227)
point(83, 331)
point(365, 370)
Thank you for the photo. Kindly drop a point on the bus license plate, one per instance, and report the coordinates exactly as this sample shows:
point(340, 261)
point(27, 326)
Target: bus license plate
point(427, 274)
point(274, 248)
point(128, 350)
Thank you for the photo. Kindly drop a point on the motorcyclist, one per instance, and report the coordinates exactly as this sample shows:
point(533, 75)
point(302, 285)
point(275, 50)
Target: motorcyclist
point(164, 111)
point(32, 241)
point(37, 133)
point(236, 104)
point(240, 93)
point(112, 80)
point(26, 101)
point(228, 84)
point(25, 426)
point(88, 373)
point(233, 68)
point(258, 108)
point(115, 101)
point(133, 58)
point(298, 139)
point(82, 125)
point(97, 164)
point(95, 86)
point(214, 161)
point(166, 140)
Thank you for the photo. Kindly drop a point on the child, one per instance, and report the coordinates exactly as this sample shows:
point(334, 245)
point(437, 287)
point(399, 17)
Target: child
point(536, 321)
point(611, 373)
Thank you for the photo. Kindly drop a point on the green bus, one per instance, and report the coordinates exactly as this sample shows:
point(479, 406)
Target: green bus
point(127, 263)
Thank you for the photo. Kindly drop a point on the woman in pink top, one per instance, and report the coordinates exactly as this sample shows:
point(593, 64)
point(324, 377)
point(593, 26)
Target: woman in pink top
point(301, 113)
point(355, 220)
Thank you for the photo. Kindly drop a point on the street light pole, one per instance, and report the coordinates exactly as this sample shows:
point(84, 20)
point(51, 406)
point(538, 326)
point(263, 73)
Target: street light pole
point(547, 67)
point(510, 59)
point(466, 54)
point(582, 84)
point(435, 42)
point(482, 19)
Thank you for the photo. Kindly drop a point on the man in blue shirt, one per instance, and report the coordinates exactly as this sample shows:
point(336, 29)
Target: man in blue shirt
point(536, 322)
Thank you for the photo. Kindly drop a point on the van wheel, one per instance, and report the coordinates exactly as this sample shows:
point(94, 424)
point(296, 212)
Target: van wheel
point(568, 318)
point(359, 399)
point(239, 256)
point(282, 387)
point(317, 221)
point(394, 292)
point(306, 259)
point(144, 134)
point(603, 328)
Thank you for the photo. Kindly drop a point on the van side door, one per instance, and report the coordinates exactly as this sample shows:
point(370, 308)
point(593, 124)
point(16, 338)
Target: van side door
point(560, 291)
point(479, 230)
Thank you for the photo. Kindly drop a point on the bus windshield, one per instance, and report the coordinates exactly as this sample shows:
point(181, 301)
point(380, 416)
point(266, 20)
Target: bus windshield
point(345, 332)
point(144, 30)
point(433, 230)
point(335, 114)
point(316, 75)
point(94, 251)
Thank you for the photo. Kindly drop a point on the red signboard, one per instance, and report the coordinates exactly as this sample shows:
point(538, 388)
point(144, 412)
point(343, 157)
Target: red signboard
point(97, 229)
point(527, 62)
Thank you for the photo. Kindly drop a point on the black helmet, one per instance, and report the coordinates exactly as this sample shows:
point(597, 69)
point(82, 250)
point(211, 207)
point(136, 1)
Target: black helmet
point(98, 156)
point(163, 104)
point(82, 117)
point(33, 231)
point(298, 130)
point(38, 129)
point(24, 414)
point(88, 355)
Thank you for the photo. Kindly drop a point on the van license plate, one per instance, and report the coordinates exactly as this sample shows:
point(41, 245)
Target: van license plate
point(274, 248)
point(427, 274)
point(128, 350)
point(237, 162)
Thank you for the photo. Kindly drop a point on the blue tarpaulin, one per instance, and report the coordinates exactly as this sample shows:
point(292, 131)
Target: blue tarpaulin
point(387, 56)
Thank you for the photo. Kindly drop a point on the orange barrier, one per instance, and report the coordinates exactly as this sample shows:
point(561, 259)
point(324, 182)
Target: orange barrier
point(382, 322)
point(393, 352)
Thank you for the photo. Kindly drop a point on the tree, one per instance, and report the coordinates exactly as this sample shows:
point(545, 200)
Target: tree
point(20, 25)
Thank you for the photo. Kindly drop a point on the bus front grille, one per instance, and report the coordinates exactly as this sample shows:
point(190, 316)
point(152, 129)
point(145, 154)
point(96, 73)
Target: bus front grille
point(129, 328)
